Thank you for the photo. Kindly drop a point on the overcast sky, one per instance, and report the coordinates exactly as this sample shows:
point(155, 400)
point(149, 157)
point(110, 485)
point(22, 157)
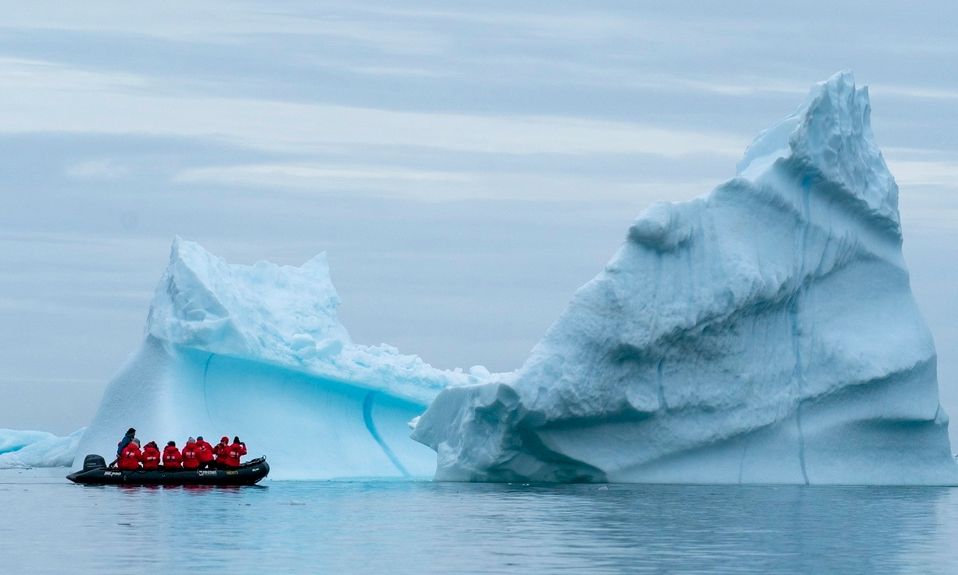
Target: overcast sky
point(465, 165)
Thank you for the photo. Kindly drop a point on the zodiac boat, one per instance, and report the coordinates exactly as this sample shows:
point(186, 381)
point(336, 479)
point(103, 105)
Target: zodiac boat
point(95, 471)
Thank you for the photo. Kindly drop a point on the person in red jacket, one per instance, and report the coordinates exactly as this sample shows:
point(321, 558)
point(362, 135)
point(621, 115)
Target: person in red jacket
point(130, 456)
point(191, 457)
point(222, 452)
point(171, 456)
point(151, 456)
point(205, 451)
point(233, 453)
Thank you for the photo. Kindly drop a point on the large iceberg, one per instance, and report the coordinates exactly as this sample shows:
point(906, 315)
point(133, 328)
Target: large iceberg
point(22, 448)
point(258, 351)
point(763, 333)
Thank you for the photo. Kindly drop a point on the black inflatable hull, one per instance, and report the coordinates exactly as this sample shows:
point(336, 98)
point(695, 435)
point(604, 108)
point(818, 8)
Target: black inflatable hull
point(247, 474)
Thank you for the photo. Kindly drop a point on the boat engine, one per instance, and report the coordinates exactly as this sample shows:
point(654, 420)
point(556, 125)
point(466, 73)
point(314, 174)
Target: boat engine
point(93, 462)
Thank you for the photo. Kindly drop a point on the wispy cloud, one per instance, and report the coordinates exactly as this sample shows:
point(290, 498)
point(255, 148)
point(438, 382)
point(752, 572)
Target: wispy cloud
point(29, 75)
point(96, 104)
point(392, 181)
point(98, 169)
point(925, 173)
point(223, 22)
point(433, 186)
point(916, 92)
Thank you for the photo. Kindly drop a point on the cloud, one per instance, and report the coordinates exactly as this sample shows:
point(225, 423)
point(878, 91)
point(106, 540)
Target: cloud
point(942, 174)
point(216, 22)
point(30, 75)
point(432, 186)
point(916, 92)
point(99, 169)
point(94, 104)
point(417, 184)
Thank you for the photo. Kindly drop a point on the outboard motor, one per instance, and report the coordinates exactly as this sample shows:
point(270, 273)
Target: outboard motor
point(93, 462)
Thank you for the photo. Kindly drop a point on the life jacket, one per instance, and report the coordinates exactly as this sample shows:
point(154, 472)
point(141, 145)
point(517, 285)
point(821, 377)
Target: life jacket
point(151, 456)
point(130, 457)
point(191, 458)
point(171, 456)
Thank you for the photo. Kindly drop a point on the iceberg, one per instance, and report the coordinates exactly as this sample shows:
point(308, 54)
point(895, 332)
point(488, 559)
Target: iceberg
point(21, 448)
point(258, 351)
point(762, 333)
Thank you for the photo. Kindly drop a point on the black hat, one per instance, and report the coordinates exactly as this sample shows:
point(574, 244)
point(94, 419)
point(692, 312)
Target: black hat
point(171, 444)
point(131, 431)
point(236, 439)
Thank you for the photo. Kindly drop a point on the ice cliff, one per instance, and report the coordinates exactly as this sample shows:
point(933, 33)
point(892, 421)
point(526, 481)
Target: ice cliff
point(762, 333)
point(258, 351)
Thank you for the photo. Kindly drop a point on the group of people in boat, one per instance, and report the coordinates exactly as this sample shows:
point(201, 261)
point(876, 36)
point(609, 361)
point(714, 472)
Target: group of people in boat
point(196, 454)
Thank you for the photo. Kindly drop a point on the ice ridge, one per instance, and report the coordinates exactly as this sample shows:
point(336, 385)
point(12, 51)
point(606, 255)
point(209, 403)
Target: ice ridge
point(831, 135)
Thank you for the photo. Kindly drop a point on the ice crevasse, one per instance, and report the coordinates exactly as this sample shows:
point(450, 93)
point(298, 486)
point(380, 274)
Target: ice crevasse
point(762, 333)
point(258, 351)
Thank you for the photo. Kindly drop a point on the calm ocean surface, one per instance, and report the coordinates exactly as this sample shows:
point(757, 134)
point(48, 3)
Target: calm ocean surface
point(49, 525)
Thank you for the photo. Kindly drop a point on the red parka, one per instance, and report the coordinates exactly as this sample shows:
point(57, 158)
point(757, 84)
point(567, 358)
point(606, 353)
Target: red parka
point(130, 457)
point(151, 456)
point(204, 450)
point(171, 457)
point(231, 454)
point(191, 458)
point(222, 450)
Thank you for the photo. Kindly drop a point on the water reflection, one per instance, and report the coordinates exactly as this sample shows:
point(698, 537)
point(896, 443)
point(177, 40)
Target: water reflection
point(422, 527)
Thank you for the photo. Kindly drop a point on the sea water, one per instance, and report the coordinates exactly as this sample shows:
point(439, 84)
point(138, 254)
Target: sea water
point(49, 525)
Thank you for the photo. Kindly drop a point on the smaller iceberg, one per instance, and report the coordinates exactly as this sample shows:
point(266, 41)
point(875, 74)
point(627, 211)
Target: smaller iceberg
point(258, 351)
point(22, 448)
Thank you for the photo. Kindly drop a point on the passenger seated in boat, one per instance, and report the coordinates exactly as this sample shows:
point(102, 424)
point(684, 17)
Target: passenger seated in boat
point(191, 457)
point(228, 456)
point(151, 456)
point(127, 438)
point(130, 456)
point(236, 451)
point(171, 456)
point(205, 451)
point(222, 452)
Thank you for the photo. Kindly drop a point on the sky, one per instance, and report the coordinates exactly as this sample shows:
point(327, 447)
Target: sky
point(466, 166)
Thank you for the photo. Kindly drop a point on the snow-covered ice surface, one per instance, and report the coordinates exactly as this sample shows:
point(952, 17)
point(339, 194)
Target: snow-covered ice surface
point(258, 351)
point(21, 448)
point(762, 333)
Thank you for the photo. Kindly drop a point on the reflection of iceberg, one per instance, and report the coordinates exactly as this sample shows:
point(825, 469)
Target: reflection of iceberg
point(258, 351)
point(36, 448)
point(765, 332)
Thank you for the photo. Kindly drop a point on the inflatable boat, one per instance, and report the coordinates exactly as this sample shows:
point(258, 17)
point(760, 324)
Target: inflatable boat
point(95, 471)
